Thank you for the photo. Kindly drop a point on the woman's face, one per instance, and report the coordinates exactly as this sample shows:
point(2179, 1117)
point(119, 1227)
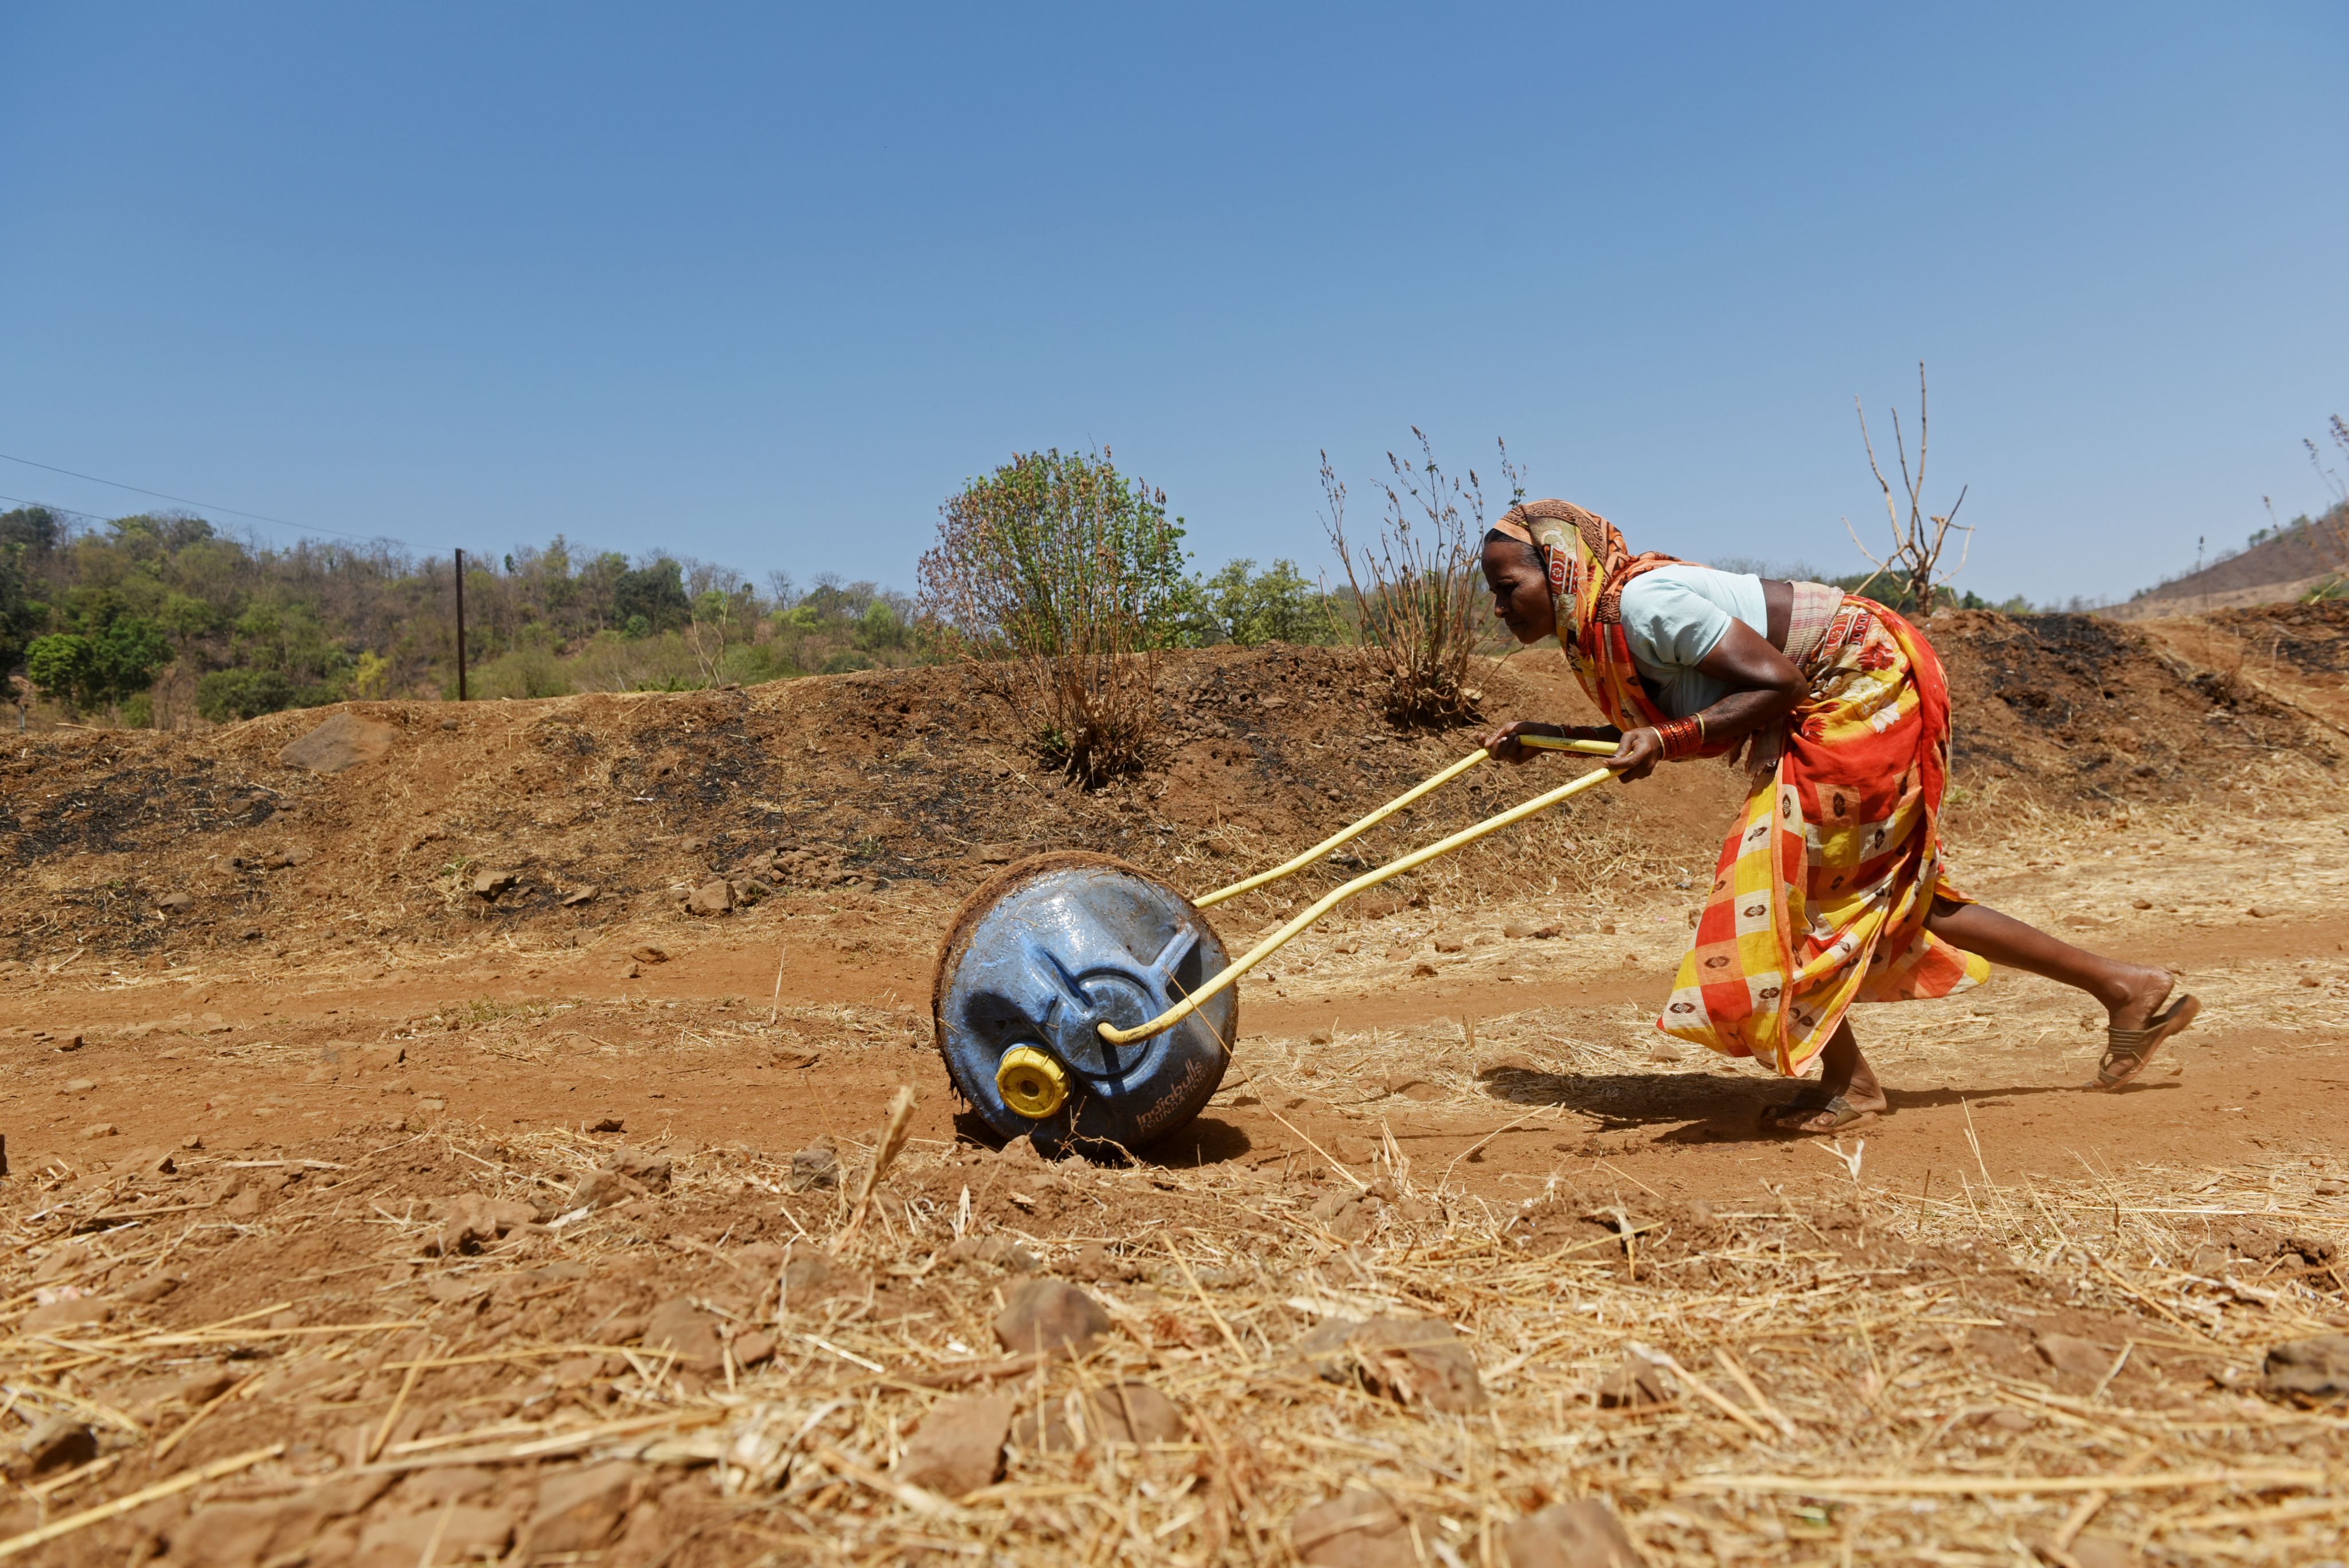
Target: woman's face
point(1520, 590)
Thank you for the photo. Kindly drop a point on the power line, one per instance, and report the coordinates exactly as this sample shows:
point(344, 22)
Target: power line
point(206, 505)
point(52, 506)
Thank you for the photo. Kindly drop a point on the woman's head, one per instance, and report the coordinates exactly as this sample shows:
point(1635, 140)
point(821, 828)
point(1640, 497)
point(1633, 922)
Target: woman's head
point(1519, 579)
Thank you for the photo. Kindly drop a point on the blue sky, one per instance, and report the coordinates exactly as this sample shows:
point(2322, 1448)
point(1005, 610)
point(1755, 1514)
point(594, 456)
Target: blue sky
point(764, 285)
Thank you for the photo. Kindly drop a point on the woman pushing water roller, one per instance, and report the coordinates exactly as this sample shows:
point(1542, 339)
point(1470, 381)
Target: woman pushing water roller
point(1830, 888)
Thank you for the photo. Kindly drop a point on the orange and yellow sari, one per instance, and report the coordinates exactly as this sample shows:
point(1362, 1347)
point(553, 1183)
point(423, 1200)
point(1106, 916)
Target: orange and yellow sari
point(1826, 880)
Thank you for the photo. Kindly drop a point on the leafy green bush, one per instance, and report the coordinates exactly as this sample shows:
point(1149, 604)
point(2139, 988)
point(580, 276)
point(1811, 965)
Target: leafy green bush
point(98, 669)
point(1076, 573)
point(226, 695)
point(532, 670)
point(1051, 546)
point(1243, 605)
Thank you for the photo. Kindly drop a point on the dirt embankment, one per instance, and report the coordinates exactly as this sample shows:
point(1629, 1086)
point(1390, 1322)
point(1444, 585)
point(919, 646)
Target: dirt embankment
point(905, 786)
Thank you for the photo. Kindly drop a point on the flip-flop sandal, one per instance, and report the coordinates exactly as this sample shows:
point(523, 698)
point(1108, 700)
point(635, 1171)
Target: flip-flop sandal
point(2127, 1051)
point(1846, 1115)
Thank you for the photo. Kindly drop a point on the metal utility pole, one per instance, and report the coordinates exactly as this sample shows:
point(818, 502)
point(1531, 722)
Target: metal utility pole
point(461, 625)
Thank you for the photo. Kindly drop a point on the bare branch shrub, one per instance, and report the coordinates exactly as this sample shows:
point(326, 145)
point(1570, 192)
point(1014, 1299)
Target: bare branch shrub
point(1918, 540)
point(1416, 583)
point(1073, 576)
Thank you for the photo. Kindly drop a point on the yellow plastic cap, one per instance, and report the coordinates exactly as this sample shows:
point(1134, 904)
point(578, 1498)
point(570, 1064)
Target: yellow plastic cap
point(1033, 1083)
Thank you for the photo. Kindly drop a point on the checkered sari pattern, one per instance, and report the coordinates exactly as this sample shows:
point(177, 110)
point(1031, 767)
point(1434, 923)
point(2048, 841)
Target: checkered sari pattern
point(1825, 881)
point(1821, 894)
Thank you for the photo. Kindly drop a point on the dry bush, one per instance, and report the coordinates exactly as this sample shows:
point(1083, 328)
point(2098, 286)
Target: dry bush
point(1919, 538)
point(1415, 585)
point(1073, 575)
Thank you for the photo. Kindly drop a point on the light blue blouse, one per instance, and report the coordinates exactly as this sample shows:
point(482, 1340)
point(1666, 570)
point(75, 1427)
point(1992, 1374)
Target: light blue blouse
point(1675, 616)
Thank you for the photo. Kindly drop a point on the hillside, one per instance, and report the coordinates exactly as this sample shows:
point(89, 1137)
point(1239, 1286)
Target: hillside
point(2279, 566)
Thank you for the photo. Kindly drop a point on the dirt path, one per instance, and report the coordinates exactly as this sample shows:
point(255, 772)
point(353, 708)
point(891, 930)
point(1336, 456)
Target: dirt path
point(1346, 1046)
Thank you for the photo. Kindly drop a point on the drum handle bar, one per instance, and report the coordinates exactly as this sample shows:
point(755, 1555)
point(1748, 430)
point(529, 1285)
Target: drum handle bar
point(1347, 835)
point(1368, 879)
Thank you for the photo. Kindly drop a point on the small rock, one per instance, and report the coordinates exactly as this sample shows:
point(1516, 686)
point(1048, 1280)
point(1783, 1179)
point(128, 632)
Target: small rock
point(578, 1511)
point(1357, 1529)
point(1344, 1215)
point(606, 1125)
point(815, 1167)
point(488, 883)
point(630, 969)
point(684, 1330)
point(176, 903)
point(470, 1222)
point(2315, 1368)
point(650, 954)
point(100, 1129)
point(1635, 1383)
point(1415, 1360)
point(1524, 930)
point(74, 1312)
point(578, 895)
point(995, 854)
point(1604, 927)
point(1448, 943)
point(1661, 1053)
point(715, 897)
point(2080, 1357)
point(59, 1443)
point(1000, 1250)
point(1584, 1534)
point(1096, 1264)
point(342, 742)
point(2256, 912)
point(958, 1447)
point(1136, 1413)
point(152, 1289)
point(80, 1085)
point(1048, 1315)
point(2140, 903)
point(812, 1276)
point(1422, 968)
point(1630, 961)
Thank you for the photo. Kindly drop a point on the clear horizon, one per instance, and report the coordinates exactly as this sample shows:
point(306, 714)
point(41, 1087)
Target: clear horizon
point(762, 287)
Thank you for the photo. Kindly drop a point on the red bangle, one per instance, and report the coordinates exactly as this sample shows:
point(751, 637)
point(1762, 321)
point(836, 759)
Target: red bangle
point(1681, 737)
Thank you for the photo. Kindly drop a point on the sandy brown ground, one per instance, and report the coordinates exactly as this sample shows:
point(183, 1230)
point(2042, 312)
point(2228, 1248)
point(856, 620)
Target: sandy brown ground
point(2013, 1288)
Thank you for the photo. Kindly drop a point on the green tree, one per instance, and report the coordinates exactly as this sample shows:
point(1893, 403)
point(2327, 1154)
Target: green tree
point(654, 591)
point(100, 668)
point(1251, 608)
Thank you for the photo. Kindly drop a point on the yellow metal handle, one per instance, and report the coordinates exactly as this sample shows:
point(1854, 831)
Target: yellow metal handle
point(1330, 901)
point(1347, 835)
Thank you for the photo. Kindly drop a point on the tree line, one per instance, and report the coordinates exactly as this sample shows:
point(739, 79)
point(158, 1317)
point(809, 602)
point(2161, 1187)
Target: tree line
point(158, 619)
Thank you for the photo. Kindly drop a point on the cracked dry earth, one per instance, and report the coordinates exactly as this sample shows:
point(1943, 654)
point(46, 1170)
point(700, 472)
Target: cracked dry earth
point(498, 1251)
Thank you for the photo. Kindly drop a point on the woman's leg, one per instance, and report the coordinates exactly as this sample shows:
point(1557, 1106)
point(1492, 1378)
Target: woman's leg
point(1843, 1073)
point(2130, 992)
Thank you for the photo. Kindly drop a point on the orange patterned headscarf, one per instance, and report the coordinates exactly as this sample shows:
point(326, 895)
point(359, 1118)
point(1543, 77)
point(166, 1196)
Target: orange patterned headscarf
point(1589, 563)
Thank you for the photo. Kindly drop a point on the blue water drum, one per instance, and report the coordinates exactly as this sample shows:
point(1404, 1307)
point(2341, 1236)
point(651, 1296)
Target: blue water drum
point(1037, 959)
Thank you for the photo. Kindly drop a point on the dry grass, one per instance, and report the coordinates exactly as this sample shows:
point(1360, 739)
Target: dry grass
point(1848, 1367)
